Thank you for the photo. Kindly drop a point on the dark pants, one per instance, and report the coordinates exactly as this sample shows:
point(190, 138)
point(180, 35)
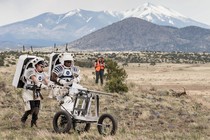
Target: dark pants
point(35, 105)
point(99, 74)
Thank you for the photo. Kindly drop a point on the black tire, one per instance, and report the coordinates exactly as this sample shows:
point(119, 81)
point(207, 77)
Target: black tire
point(107, 125)
point(62, 122)
point(81, 127)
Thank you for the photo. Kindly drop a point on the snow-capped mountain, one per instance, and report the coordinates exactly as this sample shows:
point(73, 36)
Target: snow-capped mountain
point(48, 28)
point(160, 15)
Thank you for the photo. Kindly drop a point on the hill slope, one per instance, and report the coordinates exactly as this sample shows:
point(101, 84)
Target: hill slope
point(133, 34)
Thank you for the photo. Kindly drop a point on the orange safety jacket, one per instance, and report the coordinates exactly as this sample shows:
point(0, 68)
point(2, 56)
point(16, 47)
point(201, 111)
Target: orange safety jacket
point(97, 66)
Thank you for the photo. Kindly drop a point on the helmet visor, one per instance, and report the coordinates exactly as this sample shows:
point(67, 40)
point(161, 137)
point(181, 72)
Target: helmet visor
point(68, 61)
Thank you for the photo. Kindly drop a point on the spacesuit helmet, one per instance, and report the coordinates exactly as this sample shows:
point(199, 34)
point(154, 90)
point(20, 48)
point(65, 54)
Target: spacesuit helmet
point(66, 59)
point(38, 61)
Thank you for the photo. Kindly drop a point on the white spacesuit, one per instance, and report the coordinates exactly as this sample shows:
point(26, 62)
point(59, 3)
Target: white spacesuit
point(64, 75)
point(35, 79)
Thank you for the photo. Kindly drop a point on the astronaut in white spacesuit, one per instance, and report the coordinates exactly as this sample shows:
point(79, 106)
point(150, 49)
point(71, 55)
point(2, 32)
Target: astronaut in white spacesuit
point(35, 79)
point(64, 75)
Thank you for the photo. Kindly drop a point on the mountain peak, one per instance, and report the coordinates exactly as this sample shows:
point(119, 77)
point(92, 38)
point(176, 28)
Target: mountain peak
point(72, 12)
point(158, 10)
point(160, 15)
point(148, 4)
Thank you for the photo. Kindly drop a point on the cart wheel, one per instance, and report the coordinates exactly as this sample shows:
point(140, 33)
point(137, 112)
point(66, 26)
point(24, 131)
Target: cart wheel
point(62, 122)
point(107, 125)
point(81, 127)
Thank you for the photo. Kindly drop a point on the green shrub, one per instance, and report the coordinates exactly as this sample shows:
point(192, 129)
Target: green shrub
point(116, 77)
point(11, 62)
point(2, 60)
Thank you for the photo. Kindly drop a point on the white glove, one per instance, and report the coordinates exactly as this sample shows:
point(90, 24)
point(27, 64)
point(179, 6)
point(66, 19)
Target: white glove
point(40, 85)
point(50, 84)
point(43, 86)
point(62, 82)
point(70, 82)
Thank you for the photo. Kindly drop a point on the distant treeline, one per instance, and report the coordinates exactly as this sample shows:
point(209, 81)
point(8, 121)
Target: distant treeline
point(86, 59)
point(164, 57)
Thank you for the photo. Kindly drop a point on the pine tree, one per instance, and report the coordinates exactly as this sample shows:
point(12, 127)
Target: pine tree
point(115, 77)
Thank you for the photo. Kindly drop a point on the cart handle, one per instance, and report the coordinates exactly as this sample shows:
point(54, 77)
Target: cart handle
point(97, 92)
point(94, 91)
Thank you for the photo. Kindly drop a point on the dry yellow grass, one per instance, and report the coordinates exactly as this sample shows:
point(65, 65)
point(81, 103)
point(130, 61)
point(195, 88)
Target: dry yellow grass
point(147, 111)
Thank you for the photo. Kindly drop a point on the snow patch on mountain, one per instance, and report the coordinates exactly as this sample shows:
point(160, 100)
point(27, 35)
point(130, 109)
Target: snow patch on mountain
point(71, 13)
point(39, 25)
point(89, 19)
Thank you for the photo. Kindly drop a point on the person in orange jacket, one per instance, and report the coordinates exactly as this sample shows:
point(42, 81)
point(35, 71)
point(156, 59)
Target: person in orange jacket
point(99, 69)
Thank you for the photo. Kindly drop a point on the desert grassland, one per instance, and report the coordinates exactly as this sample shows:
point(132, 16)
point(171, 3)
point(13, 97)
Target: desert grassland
point(194, 77)
point(150, 110)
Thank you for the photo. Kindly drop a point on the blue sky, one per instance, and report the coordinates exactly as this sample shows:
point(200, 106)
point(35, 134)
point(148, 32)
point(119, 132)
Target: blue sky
point(17, 10)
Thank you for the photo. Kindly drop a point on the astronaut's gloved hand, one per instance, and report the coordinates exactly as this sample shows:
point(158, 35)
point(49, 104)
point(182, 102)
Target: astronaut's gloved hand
point(43, 86)
point(64, 83)
point(50, 84)
point(70, 82)
point(61, 81)
point(67, 84)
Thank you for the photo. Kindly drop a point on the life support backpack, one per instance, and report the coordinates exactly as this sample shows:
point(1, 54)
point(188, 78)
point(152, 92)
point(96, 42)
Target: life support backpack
point(24, 62)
